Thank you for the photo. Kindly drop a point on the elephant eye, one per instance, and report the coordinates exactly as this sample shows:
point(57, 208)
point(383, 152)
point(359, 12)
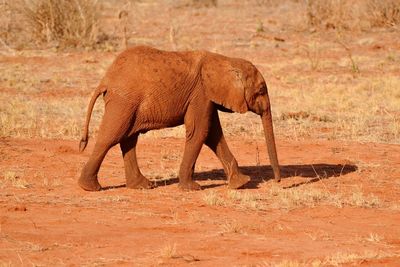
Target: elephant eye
point(263, 90)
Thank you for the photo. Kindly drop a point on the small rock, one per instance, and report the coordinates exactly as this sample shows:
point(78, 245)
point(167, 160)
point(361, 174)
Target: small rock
point(18, 208)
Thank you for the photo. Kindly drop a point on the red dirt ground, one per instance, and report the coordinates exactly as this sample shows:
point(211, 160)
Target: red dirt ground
point(53, 222)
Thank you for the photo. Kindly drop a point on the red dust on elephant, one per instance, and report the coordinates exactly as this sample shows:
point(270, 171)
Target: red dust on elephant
point(146, 89)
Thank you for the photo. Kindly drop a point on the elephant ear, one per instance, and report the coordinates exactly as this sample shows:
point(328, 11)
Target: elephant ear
point(223, 83)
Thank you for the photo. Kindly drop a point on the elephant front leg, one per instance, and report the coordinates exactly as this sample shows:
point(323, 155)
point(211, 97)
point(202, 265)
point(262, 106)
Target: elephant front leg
point(134, 178)
point(197, 121)
point(217, 143)
point(192, 150)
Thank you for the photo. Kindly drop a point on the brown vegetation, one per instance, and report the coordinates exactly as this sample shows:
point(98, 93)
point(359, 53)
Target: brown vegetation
point(52, 23)
point(350, 15)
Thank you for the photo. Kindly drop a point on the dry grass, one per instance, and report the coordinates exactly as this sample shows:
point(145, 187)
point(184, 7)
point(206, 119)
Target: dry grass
point(334, 105)
point(350, 15)
point(23, 116)
point(346, 113)
point(13, 179)
point(350, 112)
point(211, 198)
point(245, 200)
point(384, 13)
point(54, 22)
point(287, 263)
point(311, 196)
point(297, 197)
point(291, 198)
point(204, 3)
point(358, 199)
point(117, 198)
point(341, 258)
point(374, 238)
point(326, 110)
point(338, 259)
point(168, 251)
point(116, 260)
point(231, 227)
point(51, 182)
point(234, 198)
point(84, 23)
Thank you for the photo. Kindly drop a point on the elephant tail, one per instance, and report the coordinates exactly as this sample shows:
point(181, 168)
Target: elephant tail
point(85, 136)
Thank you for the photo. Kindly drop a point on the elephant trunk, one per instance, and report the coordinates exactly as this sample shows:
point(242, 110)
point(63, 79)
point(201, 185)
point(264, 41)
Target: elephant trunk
point(266, 118)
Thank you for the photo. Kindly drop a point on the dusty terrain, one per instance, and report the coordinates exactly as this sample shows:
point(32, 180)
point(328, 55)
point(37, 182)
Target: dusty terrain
point(336, 106)
point(326, 210)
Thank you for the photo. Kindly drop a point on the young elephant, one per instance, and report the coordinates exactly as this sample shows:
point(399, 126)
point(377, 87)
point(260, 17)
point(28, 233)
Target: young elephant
point(146, 89)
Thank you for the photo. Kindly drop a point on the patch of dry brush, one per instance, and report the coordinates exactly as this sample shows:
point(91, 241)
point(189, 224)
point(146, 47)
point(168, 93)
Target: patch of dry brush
point(60, 23)
point(348, 15)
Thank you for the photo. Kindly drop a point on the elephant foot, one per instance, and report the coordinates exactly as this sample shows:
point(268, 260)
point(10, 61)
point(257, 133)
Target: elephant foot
point(189, 186)
point(238, 181)
point(89, 184)
point(141, 183)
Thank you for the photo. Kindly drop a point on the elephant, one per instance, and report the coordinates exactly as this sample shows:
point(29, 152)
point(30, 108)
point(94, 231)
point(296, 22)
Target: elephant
point(146, 89)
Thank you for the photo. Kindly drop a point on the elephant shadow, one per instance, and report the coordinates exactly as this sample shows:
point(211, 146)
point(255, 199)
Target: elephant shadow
point(260, 174)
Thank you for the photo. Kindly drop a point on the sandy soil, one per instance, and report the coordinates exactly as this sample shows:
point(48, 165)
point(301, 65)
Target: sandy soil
point(339, 201)
point(53, 222)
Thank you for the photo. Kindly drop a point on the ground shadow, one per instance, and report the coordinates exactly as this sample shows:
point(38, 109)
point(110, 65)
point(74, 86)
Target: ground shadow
point(104, 188)
point(259, 174)
point(315, 172)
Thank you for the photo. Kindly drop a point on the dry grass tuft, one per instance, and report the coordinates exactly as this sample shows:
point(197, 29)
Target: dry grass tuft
point(204, 3)
point(374, 238)
point(297, 197)
point(384, 12)
point(116, 198)
point(358, 199)
point(341, 258)
point(310, 196)
point(349, 15)
point(288, 263)
point(211, 198)
point(11, 177)
point(338, 259)
point(168, 251)
point(51, 182)
point(234, 199)
point(232, 227)
point(245, 200)
point(56, 22)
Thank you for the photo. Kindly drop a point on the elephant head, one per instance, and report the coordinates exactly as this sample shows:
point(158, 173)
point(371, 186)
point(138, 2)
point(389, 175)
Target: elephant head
point(237, 85)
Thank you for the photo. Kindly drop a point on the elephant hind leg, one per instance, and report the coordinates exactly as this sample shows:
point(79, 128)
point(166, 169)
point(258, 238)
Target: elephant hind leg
point(112, 129)
point(134, 178)
point(88, 179)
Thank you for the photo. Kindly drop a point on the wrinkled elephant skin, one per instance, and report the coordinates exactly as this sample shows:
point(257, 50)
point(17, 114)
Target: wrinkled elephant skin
point(146, 89)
